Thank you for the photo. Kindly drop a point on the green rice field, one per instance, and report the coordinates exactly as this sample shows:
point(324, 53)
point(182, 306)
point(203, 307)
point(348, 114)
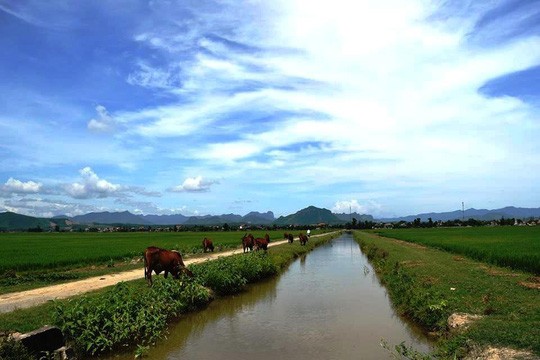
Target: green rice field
point(516, 247)
point(32, 251)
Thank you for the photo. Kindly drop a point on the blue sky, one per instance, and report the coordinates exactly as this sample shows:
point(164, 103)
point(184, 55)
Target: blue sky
point(385, 107)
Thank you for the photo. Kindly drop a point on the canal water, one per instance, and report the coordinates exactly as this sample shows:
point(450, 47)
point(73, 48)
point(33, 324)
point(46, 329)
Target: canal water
point(327, 305)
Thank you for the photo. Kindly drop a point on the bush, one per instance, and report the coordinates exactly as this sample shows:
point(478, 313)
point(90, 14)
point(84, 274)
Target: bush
point(125, 315)
point(229, 275)
point(11, 349)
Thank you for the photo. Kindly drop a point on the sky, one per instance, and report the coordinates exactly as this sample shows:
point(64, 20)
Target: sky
point(381, 107)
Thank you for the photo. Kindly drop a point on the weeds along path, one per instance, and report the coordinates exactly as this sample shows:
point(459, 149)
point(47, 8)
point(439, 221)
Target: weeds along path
point(29, 298)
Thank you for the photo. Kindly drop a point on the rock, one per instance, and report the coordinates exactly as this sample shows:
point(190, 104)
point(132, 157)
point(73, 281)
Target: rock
point(64, 353)
point(45, 339)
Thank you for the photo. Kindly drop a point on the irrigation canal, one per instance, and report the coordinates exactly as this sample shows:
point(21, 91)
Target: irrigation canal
point(327, 305)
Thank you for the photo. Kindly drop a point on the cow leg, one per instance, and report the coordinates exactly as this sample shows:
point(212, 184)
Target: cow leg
point(166, 274)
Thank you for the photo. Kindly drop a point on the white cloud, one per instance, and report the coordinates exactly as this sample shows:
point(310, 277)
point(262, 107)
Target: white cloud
point(91, 186)
point(104, 121)
point(194, 184)
point(16, 186)
point(351, 206)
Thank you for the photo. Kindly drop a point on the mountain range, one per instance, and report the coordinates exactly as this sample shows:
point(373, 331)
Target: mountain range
point(508, 212)
point(308, 216)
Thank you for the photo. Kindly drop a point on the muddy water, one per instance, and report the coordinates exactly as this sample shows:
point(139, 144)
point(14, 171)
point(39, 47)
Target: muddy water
point(327, 305)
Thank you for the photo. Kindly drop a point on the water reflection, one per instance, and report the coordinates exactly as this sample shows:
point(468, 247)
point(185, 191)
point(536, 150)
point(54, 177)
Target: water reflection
point(327, 305)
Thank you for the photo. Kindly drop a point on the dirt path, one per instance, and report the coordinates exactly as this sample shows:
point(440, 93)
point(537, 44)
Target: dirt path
point(29, 298)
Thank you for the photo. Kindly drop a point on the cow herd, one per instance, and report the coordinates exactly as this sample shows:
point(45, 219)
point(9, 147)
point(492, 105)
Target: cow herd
point(170, 261)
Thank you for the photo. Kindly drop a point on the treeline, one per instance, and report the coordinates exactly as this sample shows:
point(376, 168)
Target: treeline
point(418, 223)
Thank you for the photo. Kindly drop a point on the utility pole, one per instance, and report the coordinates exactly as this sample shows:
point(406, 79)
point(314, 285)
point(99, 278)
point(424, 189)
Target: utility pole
point(462, 211)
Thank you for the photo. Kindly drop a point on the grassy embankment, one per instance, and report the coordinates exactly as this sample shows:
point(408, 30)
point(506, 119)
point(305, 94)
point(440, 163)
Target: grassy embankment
point(428, 285)
point(131, 314)
point(30, 260)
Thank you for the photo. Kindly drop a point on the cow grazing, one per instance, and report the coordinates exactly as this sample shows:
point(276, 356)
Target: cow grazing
point(208, 245)
point(262, 243)
point(158, 260)
point(247, 242)
point(303, 239)
point(289, 237)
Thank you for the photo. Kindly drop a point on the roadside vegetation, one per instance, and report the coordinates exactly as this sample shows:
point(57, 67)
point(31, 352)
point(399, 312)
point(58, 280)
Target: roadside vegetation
point(428, 285)
point(132, 315)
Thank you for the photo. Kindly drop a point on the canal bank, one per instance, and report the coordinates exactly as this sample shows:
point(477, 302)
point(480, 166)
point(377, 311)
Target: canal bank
point(327, 304)
point(478, 311)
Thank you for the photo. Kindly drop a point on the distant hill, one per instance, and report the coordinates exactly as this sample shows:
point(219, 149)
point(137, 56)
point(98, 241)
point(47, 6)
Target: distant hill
point(477, 214)
point(348, 217)
point(176, 219)
point(124, 217)
point(214, 219)
point(250, 218)
point(309, 216)
point(10, 221)
point(255, 217)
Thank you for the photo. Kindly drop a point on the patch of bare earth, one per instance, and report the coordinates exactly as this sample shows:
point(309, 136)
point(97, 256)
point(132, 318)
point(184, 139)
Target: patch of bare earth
point(531, 283)
point(459, 321)
point(497, 272)
point(411, 263)
point(410, 244)
point(492, 353)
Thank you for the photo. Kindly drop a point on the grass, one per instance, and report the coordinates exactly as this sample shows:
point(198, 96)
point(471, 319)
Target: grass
point(428, 285)
point(517, 247)
point(31, 260)
point(30, 251)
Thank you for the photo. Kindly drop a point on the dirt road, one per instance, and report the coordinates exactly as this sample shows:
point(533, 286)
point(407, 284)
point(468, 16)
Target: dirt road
point(29, 298)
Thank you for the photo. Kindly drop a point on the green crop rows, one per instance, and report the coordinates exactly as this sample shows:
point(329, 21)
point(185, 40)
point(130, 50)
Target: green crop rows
point(517, 247)
point(31, 251)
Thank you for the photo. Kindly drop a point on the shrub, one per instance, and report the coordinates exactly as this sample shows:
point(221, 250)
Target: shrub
point(229, 275)
point(11, 349)
point(126, 315)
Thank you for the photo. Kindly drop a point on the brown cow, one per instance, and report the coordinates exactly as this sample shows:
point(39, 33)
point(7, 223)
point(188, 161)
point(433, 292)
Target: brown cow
point(208, 245)
point(303, 239)
point(262, 243)
point(158, 260)
point(290, 238)
point(247, 242)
